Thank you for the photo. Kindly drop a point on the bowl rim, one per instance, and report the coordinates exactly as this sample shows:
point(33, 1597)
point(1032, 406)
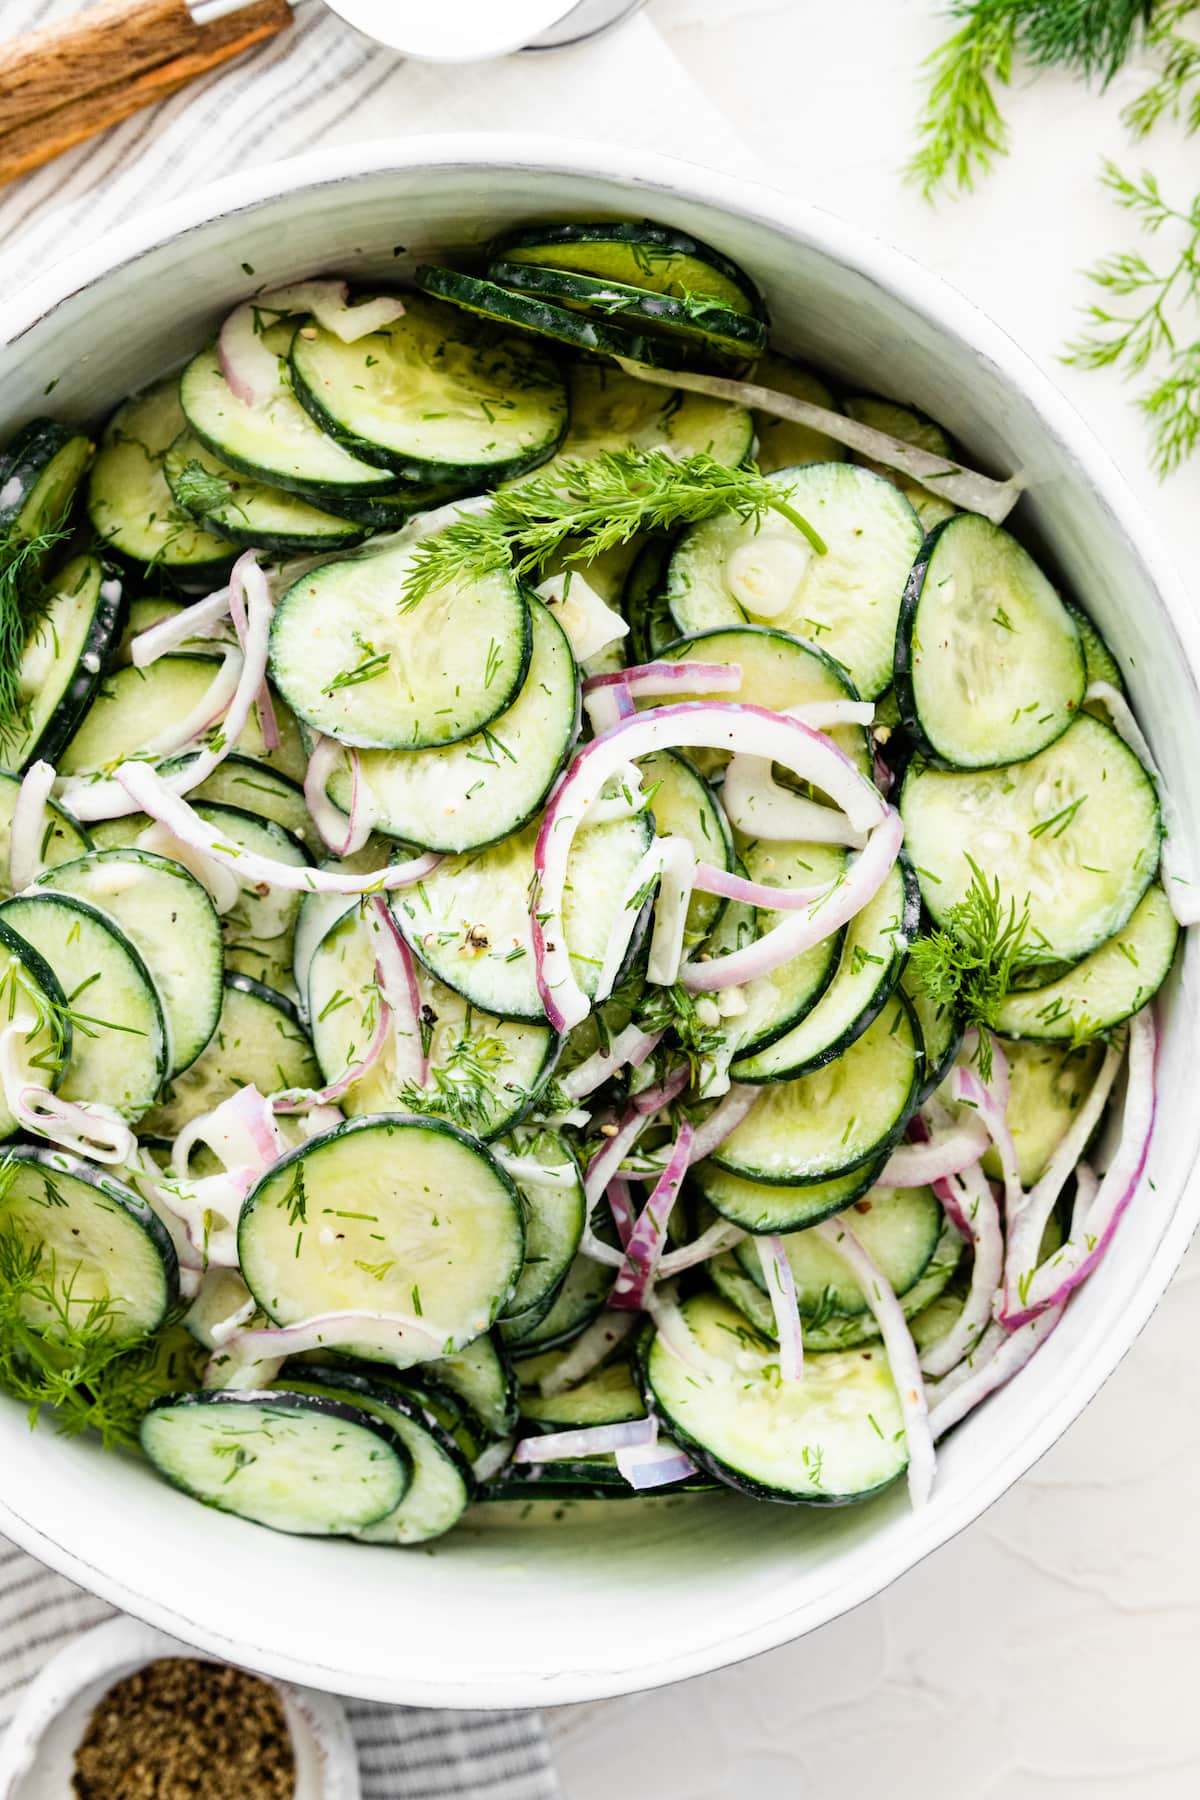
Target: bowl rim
point(894, 272)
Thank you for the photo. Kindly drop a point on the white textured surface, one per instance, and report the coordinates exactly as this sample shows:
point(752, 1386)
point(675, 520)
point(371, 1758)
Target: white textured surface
point(1050, 1652)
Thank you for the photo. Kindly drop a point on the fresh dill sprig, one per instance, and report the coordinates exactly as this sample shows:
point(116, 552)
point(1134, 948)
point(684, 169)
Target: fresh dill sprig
point(969, 963)
point(200, 492)
point(462, 1087)
point(1149, 330)
point(961, 128)
point(22, 602)
point(582, 508)
point(1175, 91)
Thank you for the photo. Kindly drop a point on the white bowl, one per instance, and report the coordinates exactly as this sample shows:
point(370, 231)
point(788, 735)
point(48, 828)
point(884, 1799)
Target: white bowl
point(499, 1614)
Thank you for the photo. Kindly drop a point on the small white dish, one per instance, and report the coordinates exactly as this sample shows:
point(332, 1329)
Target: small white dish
point(38, 1755)
point(453, 30)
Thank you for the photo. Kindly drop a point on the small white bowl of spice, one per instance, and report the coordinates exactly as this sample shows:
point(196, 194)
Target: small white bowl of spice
point(126, 1713)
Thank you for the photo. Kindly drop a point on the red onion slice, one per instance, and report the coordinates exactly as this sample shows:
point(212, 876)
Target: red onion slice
point(588, 1351)
point(646, 680)
point(996, 1361)
point(781, 1290)
point(724, 1119)
point(251, 371)
point(710, 1243)
point(969, 1090)
point(755, 804)
point(620, 1205)
point(84, 1127)
point(632, 1046)
point(28, 829)
point(642, 1252)
point(241, 1131)
point(971, 1205)
point(1074, 1261)
point(680, 1341)
point(400, 990)
point(588, 1440)
point(204, 618)
point(389, 1333)
point(342, 833)
point(901, 1353)
point(310, 1100)
point(944, 1154)
point(268, 725)
point(655, 1466)
point(327, 302)
point(711, 880)
point(671, 910)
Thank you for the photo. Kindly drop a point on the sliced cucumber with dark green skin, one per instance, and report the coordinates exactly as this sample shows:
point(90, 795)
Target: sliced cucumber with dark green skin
point(299, 1463)
point(263, 914)
point(989, 664)
point(592, 1478)
point(259, 1042)
point(33, 1003)
point(97, 1246)
point(941, 1034)
point(642, 253)
point(119, 1048)
point(779, 671)
point(910, 427)
point(576, 1304)
point(268, 961)
point(356, 665)
point(485, 1071)
point(1075, 830)
point(729, 571)
point(849, 1112)
point(464, 796)
point(705, 329)
point(275, 442)
point(249, 512)
point(506, 310)
point(777, 1002)
point(478, 404)
point(1098, 659)
point(255, 787)
point(782, 443)
point(554, 1214)
point(872, 954)
point(1107, 987)
point(62, 841)
point(40, 473)
point(766, 1209)
point(614, 411)
point(898, 1227)
point(63, 661)
point(482, 1377)
point(391, 1214)
point(469, 921)
point(835, 1437)
point(643, 600)
point(393, 510)
point(164, 911)
point(610, 1396)
point(442, 1484)
point(1048, 1083)
point(129, 502)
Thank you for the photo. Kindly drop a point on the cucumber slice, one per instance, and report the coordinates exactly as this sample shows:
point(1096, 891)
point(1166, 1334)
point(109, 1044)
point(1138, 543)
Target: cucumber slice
point(609, 1397)
point(685, 806)
point(63, 839)
point(467, 795)
point(393, 510)
point(711, 332)
point(592, 1478)
point(249, 512)
point(355, 663)
point(776, 1002)
point(642, 253)
point(30, 992)
point(482, 1377)
point(643, 602)
point(1108, 986)
point(941, 1034)
point(782, 444)
point(527, 312)
point(850, 1111)
point(432, 399)
point(779, 671)
point(1075, 830)
point(989, 664)
point(255, 787)
point(259, 1042)
point(119, 1047)
point(62, 662)
point(576, 1304)
point(257, 916)
point(275, 442)
point(1048, 1083)
point(387, 1214)
point(270, 962)
point(168, 916)
point(40, 474)
point(766, 1209)
point(613, 411)
point(484, 1071)
point(899, 1228)
point(554, 1215)
point(129, 503)
point(911, 428)
point(834, 1437)
point(469, 921)
point(133, 706)
point(1098, 659)
point(726, 570)
point(442, 1484)
point(299, 1463)
point(873, 949)
point(100, 1253)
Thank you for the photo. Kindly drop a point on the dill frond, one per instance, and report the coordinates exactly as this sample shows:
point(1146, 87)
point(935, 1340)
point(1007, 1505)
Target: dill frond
point(968, 964)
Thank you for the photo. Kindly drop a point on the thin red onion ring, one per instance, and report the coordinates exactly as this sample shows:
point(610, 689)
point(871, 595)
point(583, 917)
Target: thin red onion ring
point(306, 1100)
point(631, 1046)
point(588, 1440)
point(384, 1331)
point(203, 618)
point(587, 1352)
point(997, 1359)
point(945, 1153)
point(29, 825)
point(268, 724)
point(971, 1205)
point(781, 1290)
point(655, 1465)
point(645, 1245)
point(400, 989)
point(340, 832)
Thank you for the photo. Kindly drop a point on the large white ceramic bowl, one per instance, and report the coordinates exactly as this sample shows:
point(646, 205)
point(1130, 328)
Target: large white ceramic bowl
point(502, 1613)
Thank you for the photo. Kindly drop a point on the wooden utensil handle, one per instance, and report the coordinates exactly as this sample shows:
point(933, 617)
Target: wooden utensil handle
point(112, 42)
point(63, 84)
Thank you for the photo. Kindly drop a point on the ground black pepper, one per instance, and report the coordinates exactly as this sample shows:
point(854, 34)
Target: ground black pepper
point(182, 1729)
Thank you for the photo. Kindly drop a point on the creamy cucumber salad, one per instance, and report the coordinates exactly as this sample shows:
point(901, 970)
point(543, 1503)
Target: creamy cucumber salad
point(579, 915)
